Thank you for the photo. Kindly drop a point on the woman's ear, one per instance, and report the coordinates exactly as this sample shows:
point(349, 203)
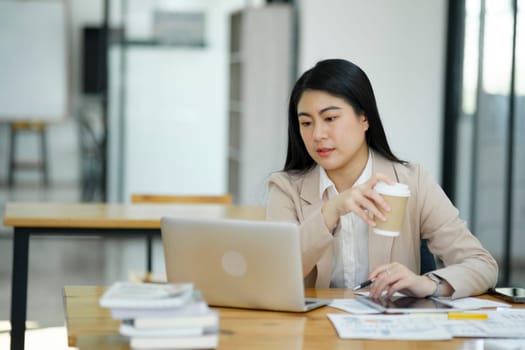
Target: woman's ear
point(364, 122)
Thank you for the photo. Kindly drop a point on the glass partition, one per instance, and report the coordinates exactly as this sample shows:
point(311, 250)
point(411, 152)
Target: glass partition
point(490, 168)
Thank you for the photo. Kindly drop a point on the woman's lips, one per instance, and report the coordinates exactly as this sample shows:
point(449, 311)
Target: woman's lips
point(324, 152)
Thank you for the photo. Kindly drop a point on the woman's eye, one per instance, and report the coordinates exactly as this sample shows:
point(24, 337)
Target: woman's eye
point(330, 119)
point(305, 123)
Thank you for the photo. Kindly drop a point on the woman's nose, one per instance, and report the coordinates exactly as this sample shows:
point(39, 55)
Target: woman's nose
point(319, 131)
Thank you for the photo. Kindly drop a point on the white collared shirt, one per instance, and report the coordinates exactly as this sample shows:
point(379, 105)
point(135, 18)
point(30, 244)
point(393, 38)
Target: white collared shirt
point(350, 244)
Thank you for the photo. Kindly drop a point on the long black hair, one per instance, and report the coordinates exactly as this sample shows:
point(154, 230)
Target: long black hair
point(345, 80)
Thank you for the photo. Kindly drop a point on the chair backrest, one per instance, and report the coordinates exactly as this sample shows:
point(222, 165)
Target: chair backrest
point(428, 261)
point(183, 199)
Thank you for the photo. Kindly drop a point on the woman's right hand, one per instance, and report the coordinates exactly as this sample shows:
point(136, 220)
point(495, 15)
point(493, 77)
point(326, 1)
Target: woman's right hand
point(362, 200)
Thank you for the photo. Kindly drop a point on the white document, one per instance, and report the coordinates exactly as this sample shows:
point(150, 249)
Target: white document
point(507, 323)
point(130, 331)
point(464, 328)
point(353, 306)
point(388, 327)
point(504, 344)
point(146, 295)
point(472, 303)
point(396, 294)
point(502, 323)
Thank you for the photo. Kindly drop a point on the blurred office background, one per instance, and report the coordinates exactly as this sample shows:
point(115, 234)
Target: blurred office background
point(190, 97)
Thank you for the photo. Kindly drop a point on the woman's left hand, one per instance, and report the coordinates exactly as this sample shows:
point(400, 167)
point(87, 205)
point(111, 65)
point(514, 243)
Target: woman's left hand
point(395, 277)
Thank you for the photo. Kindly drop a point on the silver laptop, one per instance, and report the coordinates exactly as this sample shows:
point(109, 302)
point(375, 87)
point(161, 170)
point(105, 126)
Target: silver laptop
point(237, 263)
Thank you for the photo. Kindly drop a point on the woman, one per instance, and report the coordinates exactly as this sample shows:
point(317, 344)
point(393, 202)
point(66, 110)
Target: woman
point(337, 153)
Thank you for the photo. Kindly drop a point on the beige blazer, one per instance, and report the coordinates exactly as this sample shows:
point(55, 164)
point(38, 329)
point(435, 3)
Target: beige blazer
point(469, 268)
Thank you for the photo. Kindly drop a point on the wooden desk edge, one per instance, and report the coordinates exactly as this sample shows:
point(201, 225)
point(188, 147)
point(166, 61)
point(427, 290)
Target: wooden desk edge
point(115, 215)
point(82, 223)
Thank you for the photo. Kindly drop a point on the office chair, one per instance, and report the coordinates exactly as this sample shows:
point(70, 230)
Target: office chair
point(428, 261)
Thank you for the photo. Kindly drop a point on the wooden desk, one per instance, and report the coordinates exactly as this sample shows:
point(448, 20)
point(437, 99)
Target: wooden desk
point(58, 219)
point(90, 327)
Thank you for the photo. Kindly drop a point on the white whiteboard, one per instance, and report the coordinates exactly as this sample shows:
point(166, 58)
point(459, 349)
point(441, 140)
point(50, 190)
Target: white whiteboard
point(33, 61)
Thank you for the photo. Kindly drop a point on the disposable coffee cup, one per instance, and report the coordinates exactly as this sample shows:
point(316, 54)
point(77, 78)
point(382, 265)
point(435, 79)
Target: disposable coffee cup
point(396, 196)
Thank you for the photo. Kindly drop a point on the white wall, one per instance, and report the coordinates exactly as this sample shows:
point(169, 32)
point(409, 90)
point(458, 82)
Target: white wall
point(401, 46)
point(174, 120)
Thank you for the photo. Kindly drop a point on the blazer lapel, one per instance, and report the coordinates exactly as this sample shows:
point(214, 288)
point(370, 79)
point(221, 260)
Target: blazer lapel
point(311, 202)
point(380, 247)
point(310, 191)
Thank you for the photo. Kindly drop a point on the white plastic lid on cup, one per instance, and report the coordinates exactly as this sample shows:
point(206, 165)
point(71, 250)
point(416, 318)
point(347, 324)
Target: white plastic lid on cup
point(397, 189)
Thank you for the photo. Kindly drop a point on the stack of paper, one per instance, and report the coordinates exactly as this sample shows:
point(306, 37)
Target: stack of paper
point(391, 327)
point(502, 323)
point(162, 316)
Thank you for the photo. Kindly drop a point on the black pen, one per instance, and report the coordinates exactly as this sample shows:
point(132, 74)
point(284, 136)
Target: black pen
point(363, 285)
